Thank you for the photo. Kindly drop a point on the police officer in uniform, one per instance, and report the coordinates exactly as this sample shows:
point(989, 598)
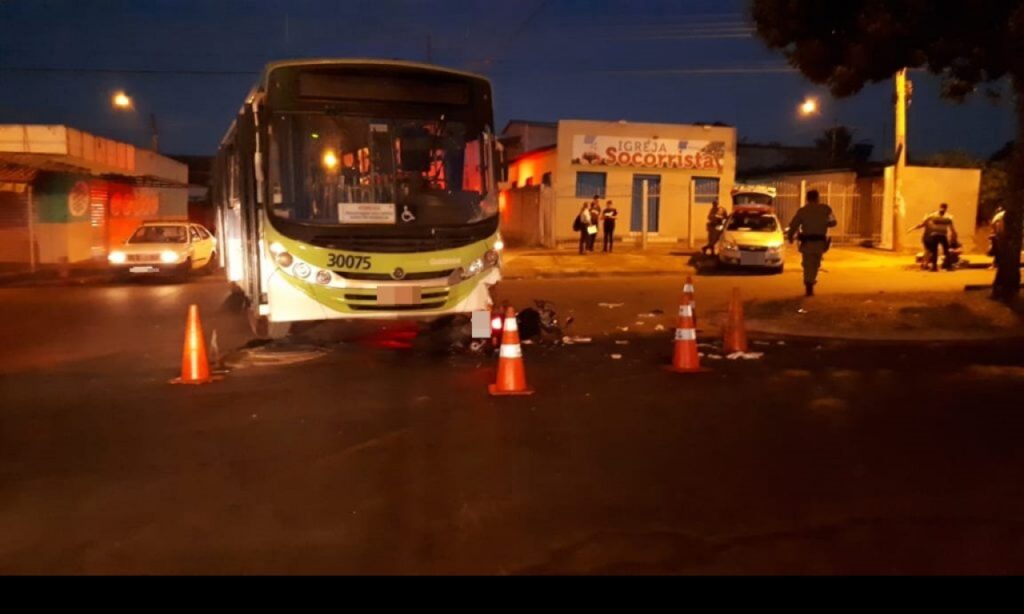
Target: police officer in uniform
point(810, 225)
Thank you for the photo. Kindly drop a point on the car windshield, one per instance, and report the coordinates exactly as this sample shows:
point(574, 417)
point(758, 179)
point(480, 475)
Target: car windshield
point(346, 170)
point(753, 222)
point(160, 234)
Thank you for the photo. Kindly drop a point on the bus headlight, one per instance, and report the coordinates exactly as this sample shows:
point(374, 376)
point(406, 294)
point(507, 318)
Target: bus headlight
point(491, 257)
point(301, 270)
point(284, 259)
point(499, 245)
point(473, 269)
point(169, 257)
point(117, 258)
point(323, 278)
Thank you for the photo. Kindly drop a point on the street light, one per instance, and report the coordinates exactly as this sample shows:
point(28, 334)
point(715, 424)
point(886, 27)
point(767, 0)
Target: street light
point(123, 102)
point(809, 107)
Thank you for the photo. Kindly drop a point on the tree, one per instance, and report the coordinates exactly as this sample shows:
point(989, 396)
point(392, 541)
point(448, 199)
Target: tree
point(837, 143)
point(846, 45)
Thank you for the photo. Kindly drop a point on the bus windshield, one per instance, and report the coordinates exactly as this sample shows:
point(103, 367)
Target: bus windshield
point(347, 170)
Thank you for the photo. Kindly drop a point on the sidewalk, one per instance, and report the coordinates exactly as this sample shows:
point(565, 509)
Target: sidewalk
point(81, 273)
point(674, 259)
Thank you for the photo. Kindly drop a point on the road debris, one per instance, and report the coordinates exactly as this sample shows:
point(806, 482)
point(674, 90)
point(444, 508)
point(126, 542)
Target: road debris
point(621, 342)
point(746, 356)
point(659, 327)
point(616, 356)
point(623, 329)
point(611, 305)
point(576, 340)
point(802, 312)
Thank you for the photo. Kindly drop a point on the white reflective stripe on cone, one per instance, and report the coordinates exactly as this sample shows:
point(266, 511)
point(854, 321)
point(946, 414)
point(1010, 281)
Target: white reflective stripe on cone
point(688, 289)
point(686, 334)
point(511, 325)
point(511, 351)
point(686, 311)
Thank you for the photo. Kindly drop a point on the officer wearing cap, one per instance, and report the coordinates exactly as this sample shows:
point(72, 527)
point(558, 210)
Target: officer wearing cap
point(810, 225)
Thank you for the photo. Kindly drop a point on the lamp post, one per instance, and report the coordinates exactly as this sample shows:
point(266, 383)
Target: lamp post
point(810, 107)
point(123, 102)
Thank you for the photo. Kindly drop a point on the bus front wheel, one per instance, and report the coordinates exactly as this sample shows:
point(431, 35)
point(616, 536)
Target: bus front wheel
point(264, 329)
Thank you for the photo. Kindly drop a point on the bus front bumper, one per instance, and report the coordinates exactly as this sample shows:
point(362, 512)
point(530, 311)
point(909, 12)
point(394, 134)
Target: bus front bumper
point(293, 300)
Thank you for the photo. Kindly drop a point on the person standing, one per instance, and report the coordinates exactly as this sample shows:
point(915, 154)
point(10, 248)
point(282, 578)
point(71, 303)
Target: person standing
point(610, 214)
point(810, 225)
point(939, 230)
point(716, 223)
point(582, 225)
point(595, 220)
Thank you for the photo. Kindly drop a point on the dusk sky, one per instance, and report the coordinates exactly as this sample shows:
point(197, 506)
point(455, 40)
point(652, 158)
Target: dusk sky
point(191, 62)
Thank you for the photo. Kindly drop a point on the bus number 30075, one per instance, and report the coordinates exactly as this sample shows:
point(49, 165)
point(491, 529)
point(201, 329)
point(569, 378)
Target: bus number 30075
point(352, 263)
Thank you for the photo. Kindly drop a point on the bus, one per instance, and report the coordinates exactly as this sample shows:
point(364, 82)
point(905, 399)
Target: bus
point(360, 189)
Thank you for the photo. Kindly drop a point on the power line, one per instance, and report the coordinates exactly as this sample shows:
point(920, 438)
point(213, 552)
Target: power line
point(128, 71)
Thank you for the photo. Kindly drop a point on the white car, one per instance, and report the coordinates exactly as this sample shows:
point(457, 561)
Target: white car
point(176, 248)
point(753, 237)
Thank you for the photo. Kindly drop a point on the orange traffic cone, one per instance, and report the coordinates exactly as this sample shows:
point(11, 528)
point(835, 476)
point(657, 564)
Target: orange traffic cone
point(735, 338)
point(685, 359)
point(195, 368)
point(688, 291)
point(511, 371)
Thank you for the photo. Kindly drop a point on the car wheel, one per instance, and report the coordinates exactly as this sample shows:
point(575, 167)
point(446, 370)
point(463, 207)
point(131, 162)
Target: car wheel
point(211, 266)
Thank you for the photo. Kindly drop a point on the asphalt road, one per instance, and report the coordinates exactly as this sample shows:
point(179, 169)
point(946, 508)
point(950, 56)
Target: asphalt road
point(382, 458)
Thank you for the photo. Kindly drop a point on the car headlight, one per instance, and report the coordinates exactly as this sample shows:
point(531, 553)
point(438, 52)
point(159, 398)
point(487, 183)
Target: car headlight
point(117, 257)
point(169, 257)
point(323, 278)
point(301, 270)
point(775, 247)
point(730, 245)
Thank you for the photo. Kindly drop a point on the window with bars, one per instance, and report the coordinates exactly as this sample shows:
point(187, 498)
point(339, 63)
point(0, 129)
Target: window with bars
point(706, 189)
point(589, 185)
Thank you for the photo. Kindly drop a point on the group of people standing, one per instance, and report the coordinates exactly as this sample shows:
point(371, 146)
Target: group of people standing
point(589, 220)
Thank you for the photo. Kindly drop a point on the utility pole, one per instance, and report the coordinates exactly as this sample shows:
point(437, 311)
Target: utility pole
point(154, 133)
point(899, 209)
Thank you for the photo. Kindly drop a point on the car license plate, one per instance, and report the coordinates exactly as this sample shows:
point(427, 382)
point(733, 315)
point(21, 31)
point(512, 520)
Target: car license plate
point(390, 296)
point(752, 258)
point(143, 269)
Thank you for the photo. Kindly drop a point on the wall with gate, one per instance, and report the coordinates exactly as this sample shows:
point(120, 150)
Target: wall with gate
point(856, 202)
point(527, 217)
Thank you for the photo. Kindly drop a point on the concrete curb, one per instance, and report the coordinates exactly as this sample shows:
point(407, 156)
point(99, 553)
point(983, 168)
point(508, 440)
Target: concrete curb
point(760, 327)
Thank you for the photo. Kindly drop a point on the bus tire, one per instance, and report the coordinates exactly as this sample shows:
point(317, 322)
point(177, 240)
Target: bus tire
point(265, 330)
